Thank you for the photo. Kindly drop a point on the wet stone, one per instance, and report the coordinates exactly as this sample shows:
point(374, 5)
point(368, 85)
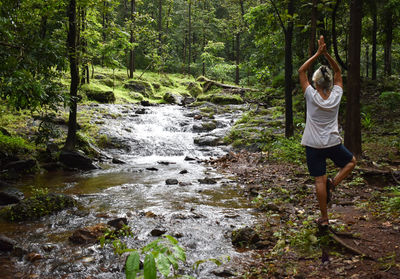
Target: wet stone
point(183, 171)
point(118, 161)
point(88, 235)
point(6, 244)
point(10, 195)
point(245, 237)
point(118, 223)
point(171, 181)
point(158, 232)
point(187, 158)
point(152, 169)
point(223, 272)
point(207, 180)
point(32, 257)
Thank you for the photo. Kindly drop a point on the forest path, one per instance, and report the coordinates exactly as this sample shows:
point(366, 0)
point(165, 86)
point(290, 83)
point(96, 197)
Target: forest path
point(286, 194)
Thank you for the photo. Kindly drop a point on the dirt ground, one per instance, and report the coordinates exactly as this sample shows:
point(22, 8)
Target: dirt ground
point(370, 240)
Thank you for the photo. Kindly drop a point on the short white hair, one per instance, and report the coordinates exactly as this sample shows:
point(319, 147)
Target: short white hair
point(323, 78)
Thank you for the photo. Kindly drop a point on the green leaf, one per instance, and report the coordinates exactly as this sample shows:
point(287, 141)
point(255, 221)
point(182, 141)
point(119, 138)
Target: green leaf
point(150, 271)
point(171, 239)
point(132, 265)
point(173, 261)
point(179, 253)
point(163, 264)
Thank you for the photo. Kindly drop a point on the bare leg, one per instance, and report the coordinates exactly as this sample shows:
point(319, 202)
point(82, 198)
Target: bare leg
point(320, 187)
point(344, 172)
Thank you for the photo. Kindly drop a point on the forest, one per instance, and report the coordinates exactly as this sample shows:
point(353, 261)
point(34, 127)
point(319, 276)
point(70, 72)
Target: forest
point(162, 139)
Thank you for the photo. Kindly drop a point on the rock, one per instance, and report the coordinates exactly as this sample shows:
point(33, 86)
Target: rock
point(244, 237)
point(187, 101)
point(141, 111)
point(223, 272)
point(165, 163)
point(198, 117)
point(136, 96)
point(22, 166)
point(172, 98)
point(38, 206)
point(139, 86)
point(76, 160)
point(109, 82)
point(118, 161)
point(204, 127)
point(208, 140)
point(183, 171)
point(98, 76)
point(145, 103)
point(118, 223)
point(207, 180)
point(272, 206)
point(6, 244)
point(171, 181)
point(158, 232)
point(32, 257)
point(10, 195)
point(52, 148)
point(88, 235)
point(152, 169)
point(187, 158)
point(52, 166)
point(98, 95)
point(156, 85)
point(184, 184)
point(194, 89)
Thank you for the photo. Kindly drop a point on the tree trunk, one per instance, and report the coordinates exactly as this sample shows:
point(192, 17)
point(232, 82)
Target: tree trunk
point(85, 67)
point(72, 53)
point(374, 32)
point(313, 34)
point(352, 136)
point(190, 36)
point(159, 24)
point(367, 60)
point(132, 50)
point(388, 41)
point(288, 73)
point(237, 76)
point(334, 37)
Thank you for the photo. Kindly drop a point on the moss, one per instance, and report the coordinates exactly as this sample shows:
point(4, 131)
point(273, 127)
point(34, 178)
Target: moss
point(99, 94)
point(37, 206)
point(194, 89)
point(14, 145)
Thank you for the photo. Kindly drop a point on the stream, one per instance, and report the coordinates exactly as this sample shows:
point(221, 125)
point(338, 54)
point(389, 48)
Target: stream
point(156, 144)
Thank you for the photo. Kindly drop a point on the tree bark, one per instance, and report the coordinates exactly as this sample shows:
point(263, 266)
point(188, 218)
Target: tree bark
point(289, 129)
point(132, 50)
point(352, 136)
point(374, 32)
point(313, 34)
point(190, 37)
point(334, 37)
point(388, 41)
point(237, 75)
point(72, 56)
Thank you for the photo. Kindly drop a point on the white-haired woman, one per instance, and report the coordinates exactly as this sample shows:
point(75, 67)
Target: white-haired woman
point(321, 135)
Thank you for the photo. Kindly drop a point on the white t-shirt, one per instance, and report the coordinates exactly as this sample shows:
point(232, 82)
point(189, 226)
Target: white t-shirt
point(322, 129)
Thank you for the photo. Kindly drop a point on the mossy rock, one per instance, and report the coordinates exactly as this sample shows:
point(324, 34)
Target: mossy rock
point(109, 82)
point(137, 96)
point(38, 206)
point(172, 98)
point(156, 86)
point(167, 82)
point(140, 86)
point(194, 89)
point(98, 95)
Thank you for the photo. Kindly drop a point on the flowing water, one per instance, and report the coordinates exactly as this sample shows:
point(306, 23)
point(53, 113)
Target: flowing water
point(155, 144)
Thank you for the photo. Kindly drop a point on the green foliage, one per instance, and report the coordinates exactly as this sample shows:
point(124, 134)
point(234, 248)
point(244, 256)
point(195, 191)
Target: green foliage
point(14, 145)
point(288, 150)
point(390, 99)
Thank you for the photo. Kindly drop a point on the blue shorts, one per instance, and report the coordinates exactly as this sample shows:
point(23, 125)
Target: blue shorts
point(316, 158)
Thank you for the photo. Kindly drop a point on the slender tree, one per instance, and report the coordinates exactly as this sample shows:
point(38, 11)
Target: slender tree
point(352, 136)
point(388, 21)
point(374, 41)
point(73, 62)
point(131, 40)
point(189, 37)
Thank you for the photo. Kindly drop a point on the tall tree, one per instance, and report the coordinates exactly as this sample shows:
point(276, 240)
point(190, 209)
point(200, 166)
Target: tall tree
point(288, 31)
point(334, 36)
point(189, 36)
point(73, 61)
point(388, 30)
point(352, 136)
point(131, 40)
point(374, 41)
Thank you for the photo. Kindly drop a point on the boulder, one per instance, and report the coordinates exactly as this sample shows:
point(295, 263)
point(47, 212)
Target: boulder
point(136, 96)
point(207, 180)
point(172, 98)
point(22, 166)
point(187, 101)
point(6, 244)
point(208, 140)
point(139, 86)
point(88, 235)
point(194, 89)
point(76, 160)
point(37, 206)
point(245, 237)
point(10, 195)
point(104, 97)
point(204, 127)
point(118, 223)
point(145, 103)
point(158, 232)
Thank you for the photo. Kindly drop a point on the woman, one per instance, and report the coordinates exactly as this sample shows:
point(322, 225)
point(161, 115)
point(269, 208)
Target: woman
point(321, 134)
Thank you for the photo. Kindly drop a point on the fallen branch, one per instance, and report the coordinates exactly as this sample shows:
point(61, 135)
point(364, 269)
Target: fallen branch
point(208, 83)
point(350, 248)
